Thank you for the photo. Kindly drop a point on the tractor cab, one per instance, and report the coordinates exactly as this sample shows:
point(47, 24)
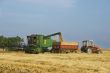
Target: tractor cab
point(88, 43)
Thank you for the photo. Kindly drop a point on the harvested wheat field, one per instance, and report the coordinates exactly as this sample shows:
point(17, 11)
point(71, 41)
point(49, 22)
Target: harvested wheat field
point(55, 63)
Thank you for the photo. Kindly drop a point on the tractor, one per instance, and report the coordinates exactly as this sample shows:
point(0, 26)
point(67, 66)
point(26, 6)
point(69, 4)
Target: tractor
point(88, 46)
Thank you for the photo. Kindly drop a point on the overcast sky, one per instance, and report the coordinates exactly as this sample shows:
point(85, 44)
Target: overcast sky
point(76, 19)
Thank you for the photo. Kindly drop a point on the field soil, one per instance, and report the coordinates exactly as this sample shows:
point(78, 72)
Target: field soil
point(17, 62)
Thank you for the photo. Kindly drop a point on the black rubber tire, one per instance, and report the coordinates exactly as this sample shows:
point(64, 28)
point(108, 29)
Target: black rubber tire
point(89, 50)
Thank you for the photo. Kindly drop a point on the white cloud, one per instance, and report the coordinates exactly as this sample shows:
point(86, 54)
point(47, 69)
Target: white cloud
point(55, 3)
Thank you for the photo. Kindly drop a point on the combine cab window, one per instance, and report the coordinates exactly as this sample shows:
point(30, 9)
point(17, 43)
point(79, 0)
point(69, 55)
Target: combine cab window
point(31, 40)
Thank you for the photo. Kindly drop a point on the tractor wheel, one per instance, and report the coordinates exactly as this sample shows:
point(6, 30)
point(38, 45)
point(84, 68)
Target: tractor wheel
point(89, 50)
point(83, 49)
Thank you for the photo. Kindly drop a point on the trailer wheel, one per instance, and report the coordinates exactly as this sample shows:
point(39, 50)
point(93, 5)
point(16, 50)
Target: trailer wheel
point(76, 51)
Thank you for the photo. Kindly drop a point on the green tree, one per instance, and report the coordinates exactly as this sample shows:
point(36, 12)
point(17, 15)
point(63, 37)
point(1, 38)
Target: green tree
point(10, 42)
point(15, 42)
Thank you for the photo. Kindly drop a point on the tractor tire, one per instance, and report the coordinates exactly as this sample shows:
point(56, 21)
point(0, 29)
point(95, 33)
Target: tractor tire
point(83, 49)
point(89, 50)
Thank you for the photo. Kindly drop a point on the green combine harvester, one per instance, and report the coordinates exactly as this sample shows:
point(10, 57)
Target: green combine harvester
point(38, 44)
point(41, 43)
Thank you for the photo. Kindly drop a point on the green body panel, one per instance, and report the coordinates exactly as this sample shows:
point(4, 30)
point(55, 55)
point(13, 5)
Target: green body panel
point(47, 42)
point(39, 43)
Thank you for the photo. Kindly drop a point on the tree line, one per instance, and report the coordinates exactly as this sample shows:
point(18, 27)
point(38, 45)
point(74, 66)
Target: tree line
point(10, 43)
